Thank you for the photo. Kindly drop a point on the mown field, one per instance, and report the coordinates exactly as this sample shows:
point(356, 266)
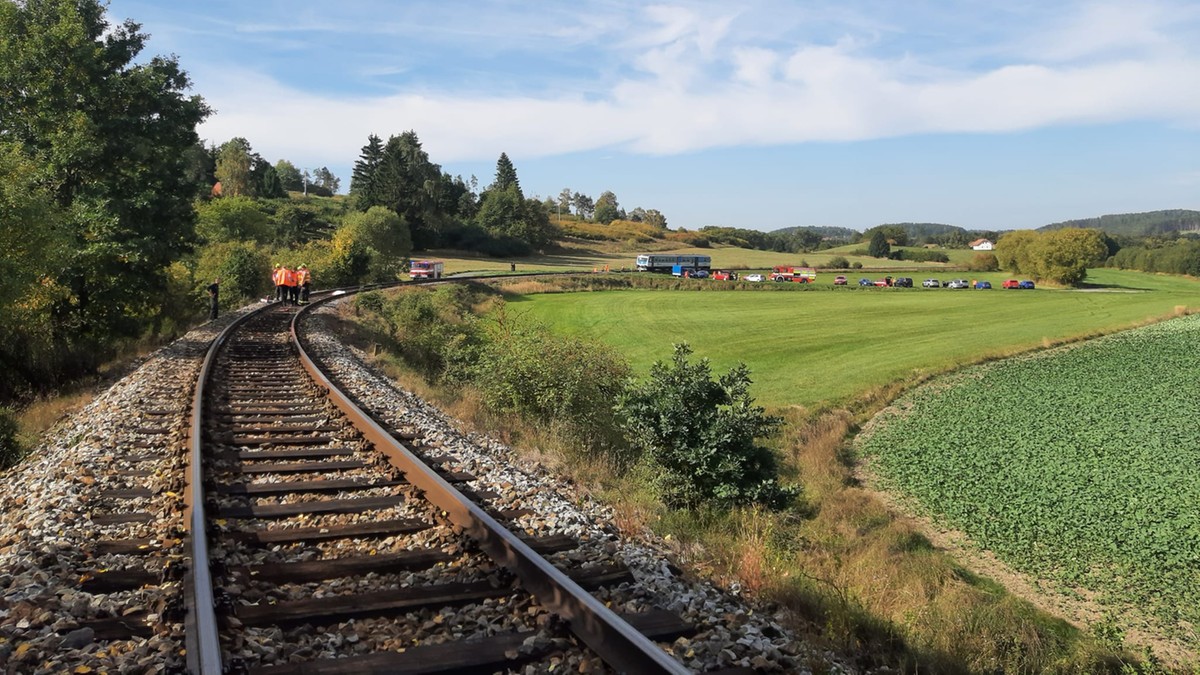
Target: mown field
point(586, 256)
point(1080, 464)
point(826, 345)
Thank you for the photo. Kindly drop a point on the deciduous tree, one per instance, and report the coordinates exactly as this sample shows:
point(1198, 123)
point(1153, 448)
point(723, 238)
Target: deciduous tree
point(234, 162)
point(289, 175)
point(607, 209)
point(114, 131)
point(325, 178)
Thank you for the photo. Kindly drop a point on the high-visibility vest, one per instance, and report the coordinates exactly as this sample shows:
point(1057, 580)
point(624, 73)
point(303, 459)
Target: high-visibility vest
point(302, 277)
point(277, 276)
point(289, 277)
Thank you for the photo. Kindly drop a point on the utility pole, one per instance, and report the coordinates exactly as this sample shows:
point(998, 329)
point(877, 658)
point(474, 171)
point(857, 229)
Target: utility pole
point(305, 182)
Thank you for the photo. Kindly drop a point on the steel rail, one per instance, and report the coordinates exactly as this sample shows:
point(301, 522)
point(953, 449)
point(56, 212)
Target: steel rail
point(619, 644)
point(202, 638)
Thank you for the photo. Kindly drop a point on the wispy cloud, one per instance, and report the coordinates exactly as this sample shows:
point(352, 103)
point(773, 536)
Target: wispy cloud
point(678, 78)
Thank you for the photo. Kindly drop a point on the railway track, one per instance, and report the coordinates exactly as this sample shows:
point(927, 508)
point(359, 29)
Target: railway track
point(329, 533)
point(336, 541)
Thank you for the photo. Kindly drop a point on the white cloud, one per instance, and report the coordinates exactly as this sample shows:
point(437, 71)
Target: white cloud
point(698, 82)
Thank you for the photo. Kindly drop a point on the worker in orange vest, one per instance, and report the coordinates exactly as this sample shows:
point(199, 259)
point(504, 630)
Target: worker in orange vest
point(277, 278)
point(289, 281)
point(303, 280)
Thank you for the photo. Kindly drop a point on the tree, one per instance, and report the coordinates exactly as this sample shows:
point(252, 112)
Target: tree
point(114, 132)
point(1013, 251)
point(325, 178)
point(583, 205)
point(607, 209)
point(893, 234)
point(699, 434)
point(879, 247)
point(32, 241)
point(564, 201)
point(655, 218)
point(1063, 256)
point(232, 219)
point(269, 185)
point(289, 175)
point(408, 184)
point(506, 176)
point(297, 224)
point(234, 162)
point(385, 238)
point(364, 178)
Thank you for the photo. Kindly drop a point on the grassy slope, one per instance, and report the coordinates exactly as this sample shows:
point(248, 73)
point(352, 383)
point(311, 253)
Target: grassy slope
point(827, 345)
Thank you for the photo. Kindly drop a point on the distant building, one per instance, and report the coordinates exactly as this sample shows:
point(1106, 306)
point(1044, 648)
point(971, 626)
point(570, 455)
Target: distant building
point(982, 245)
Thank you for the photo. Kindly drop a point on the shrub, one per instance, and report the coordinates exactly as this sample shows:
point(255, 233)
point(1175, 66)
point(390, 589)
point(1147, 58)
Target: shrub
point(699, 435)
point(856, 266)
point(525, 369)
point(838, 262)
point(983, 262)
point(919, 255)
point(244, 268)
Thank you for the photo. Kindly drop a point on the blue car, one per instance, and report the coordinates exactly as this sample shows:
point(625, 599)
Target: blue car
point(981, 285)
point(865, 282)
point(1026, 284)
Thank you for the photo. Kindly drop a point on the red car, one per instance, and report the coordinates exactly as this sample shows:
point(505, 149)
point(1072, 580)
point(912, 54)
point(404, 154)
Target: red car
point(1011, 283)
point(839, 281)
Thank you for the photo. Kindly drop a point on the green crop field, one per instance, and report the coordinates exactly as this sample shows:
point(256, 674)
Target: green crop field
point(1080, 464)
point(827, 344)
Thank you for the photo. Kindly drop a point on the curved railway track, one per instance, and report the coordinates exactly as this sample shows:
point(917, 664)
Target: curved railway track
point(317, 516)
point(272, 526)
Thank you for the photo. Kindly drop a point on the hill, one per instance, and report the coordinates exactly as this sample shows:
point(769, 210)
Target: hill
point(825, 232)
point(1137, 224)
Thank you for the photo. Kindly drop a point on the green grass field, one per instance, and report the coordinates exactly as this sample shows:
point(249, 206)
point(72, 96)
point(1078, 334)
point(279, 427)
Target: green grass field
point(826, 345)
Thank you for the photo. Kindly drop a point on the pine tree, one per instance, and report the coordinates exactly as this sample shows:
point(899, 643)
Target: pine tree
point(364, 181)
point(506, 175)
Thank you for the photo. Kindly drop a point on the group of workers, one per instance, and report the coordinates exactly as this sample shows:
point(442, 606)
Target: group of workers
point(291, 286)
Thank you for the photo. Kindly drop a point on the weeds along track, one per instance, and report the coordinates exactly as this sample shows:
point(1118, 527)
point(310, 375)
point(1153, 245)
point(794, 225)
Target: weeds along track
point(339, 545)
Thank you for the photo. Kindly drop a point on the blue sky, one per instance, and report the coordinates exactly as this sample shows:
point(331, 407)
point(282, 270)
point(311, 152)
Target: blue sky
point(756, 114)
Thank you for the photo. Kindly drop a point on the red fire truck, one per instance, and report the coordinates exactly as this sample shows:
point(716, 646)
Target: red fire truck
point(800, 275)
point(425, 269)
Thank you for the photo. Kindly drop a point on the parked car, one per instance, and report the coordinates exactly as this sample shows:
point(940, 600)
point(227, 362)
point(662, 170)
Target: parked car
point(699, 274)
point(865, 282)
point(903, 282)
point(959, 283)
point(1010, 283)
point(724, 275)
point(839, 281)
point(1026, 284)
point(931, 283)
point(983, 285)
point(753, 277)
point(883, 282)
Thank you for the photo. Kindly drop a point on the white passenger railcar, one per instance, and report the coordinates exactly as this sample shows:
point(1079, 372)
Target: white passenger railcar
point(656, 262)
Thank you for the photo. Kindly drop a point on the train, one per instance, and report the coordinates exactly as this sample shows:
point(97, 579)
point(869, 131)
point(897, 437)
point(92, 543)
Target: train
point(654, 262)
